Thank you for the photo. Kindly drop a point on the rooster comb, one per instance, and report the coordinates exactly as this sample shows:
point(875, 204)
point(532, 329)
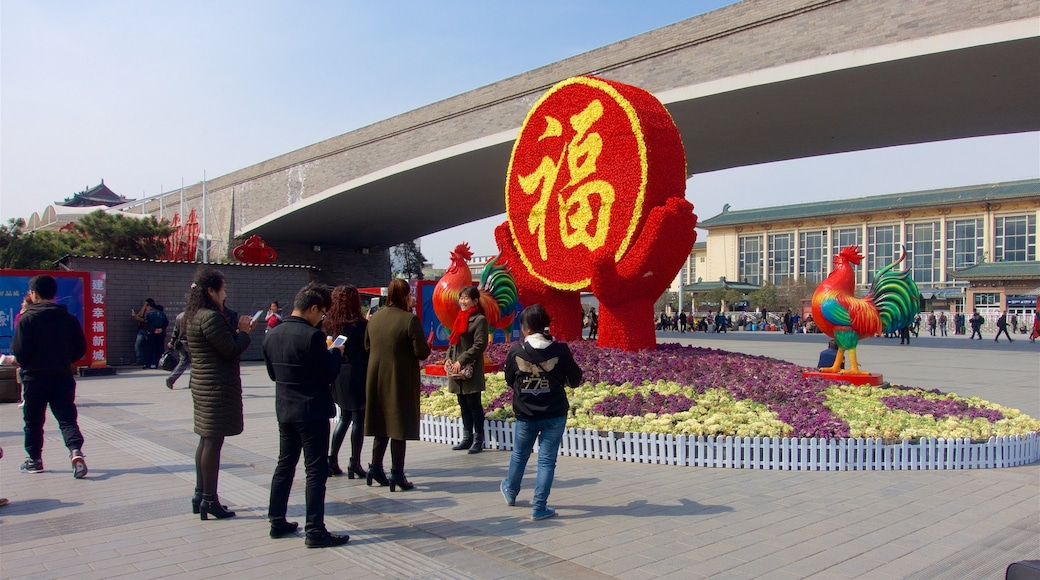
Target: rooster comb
point(462, 251)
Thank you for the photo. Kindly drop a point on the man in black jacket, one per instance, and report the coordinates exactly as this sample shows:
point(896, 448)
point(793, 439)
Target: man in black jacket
point(303, 368)
point(46, 343)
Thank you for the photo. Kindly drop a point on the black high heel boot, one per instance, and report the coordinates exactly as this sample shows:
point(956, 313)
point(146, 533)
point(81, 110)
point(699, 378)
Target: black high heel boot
point(397, 480)
point(466, 443)
point(354, 468)
point(334, 469)
point(196, 500)
point(210, 506)
point(376, 473)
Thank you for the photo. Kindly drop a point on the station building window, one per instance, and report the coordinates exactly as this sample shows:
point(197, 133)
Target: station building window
point(883, 248)
point(963, 243)
point(750, 259)
point(1015, 238)
point(781, 257)
point(812, 259)
point(924, 242)
point(844, 238)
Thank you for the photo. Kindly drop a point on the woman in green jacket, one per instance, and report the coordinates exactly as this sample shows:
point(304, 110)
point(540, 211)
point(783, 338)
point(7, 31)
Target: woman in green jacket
point(466, 346)
point(395, 344)
point(216, 343)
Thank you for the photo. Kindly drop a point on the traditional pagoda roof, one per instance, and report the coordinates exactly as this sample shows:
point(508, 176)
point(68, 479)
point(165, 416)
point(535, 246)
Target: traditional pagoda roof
point(700, 286)
point(97, 195)
point(999, 271)
point(1007, 191)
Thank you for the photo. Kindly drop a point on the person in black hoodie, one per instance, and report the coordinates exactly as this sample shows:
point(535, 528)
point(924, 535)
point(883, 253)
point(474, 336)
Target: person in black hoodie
point(303, 369)
point(537, 369)
point(47, 341)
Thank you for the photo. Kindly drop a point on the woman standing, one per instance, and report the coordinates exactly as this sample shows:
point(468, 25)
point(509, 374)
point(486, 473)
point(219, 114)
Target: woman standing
point(395, 343)
point(467, 344)
point(537, 369)
point(349, 389)
point(215, 344)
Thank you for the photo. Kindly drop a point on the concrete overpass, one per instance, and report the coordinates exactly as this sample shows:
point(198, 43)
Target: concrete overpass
point(758, 81)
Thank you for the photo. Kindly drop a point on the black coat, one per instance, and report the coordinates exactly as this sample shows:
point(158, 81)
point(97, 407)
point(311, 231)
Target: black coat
point(349, 388)
point(216, 382)
point(47, 341)
point(302, 368)
point(535, 400)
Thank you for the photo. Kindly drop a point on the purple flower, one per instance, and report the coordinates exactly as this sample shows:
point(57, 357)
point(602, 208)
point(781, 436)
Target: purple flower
point(939, 408)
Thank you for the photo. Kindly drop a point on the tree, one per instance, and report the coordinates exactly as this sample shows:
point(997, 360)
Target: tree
point(96, 234)
point(119, 236)
point(765, 297)
point(406, 260)
point(35, 250)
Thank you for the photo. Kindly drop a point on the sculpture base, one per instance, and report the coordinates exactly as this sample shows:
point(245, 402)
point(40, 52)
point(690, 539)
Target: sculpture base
point(873, 379)
point(438, 370)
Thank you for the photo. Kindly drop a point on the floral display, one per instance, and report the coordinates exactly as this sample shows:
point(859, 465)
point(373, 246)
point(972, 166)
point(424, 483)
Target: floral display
point(701, 391)
point(595, 199)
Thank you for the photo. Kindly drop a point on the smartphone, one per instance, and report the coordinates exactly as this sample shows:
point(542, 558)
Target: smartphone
point(340, 341)
point(257, 316)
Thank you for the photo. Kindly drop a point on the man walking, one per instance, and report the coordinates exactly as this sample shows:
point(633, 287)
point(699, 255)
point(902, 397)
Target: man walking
point(976, 321)
point(1002, 325)
point(303, 369)
point(47, 341)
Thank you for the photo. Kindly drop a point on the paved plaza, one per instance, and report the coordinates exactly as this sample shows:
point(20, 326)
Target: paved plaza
point(131, 516)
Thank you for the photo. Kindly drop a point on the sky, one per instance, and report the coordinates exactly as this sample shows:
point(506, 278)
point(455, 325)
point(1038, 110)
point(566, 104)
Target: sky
point(148, 95)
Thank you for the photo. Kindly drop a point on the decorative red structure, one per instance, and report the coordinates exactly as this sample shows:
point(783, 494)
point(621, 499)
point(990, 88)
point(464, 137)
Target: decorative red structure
point(180, 245)
point(255, 251)
point(595, 200)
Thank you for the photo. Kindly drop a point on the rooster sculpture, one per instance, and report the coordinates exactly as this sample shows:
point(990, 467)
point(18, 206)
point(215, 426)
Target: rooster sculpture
point(892, 303)
point(498, 295)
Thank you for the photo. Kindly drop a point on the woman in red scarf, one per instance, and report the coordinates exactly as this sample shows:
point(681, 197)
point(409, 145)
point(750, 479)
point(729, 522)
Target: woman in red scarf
point(467, 343)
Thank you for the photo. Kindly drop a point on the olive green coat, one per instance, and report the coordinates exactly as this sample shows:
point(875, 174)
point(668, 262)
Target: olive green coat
point(470, 349)
point(395, 344)
point(216, 384)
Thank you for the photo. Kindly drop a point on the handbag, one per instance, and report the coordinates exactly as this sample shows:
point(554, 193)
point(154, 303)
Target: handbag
point(465, 373)
point(168, 360)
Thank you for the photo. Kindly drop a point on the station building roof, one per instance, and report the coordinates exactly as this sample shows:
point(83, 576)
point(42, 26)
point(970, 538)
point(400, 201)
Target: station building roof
point(994, 192)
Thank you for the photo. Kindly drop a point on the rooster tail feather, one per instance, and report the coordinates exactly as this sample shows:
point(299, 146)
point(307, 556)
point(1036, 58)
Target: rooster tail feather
point(896, 296)
point(498, 282)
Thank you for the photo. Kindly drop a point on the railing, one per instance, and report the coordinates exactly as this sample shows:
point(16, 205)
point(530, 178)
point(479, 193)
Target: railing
point(786, 454)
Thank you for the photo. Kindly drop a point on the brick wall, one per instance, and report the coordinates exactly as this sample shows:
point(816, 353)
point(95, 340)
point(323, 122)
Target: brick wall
point(250, 288)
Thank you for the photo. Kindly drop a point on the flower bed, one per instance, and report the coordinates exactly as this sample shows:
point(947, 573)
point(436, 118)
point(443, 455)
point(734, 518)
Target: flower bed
point(692, 394)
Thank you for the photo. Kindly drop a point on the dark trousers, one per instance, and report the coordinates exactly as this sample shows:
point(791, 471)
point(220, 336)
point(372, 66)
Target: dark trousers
point(60, 394)
point(472, 411)
point(311, 437)
point(154, 348)
point(140, 345)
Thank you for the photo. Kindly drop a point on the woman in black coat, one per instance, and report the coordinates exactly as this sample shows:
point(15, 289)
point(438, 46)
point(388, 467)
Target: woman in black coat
point(345, 319)
point(216, 344)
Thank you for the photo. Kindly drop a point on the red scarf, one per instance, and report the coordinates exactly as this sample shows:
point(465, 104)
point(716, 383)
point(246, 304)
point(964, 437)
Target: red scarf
point(461, 324)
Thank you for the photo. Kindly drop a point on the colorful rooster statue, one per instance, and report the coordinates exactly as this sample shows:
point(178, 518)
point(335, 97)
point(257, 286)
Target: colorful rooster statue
point(498, 296)
point(892, 303)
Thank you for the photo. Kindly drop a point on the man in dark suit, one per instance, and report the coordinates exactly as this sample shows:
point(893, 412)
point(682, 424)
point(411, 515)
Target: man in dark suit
point(303, 367)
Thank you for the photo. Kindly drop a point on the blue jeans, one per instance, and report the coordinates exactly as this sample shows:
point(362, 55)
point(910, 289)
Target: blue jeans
point(549, 433)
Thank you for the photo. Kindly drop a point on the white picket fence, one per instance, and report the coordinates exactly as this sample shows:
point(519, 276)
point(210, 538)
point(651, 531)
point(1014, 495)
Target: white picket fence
point(803, 454)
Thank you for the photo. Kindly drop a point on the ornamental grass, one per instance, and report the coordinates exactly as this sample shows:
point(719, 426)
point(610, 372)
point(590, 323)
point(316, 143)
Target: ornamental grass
point(686, 390)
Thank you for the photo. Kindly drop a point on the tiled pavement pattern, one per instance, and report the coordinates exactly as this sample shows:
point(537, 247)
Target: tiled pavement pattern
point(130, 517)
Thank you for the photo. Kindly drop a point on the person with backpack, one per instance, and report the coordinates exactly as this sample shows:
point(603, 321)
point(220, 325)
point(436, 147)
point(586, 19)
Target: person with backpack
point(179, 344)
point(156, 322)
point(537, 369)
